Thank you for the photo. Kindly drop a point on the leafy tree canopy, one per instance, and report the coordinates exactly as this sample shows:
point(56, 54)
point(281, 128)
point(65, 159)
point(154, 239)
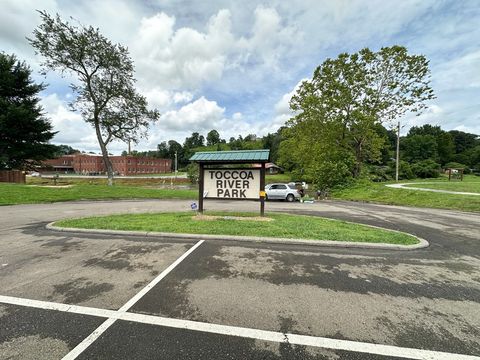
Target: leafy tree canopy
point(464, 141)
point(65, 150)
point(339, 109)
point(445, 145)
point(106, 95)
point(194, 141)
point(213, 138)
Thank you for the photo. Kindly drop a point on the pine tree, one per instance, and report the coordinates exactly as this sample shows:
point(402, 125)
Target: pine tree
point(24, 130)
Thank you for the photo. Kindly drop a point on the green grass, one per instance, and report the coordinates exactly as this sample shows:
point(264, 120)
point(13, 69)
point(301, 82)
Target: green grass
point(466, 186)
point(134, 181)
point(179, 173)
point(11, 194)
point(282, 226)
point(379, 193)
point(278, 178)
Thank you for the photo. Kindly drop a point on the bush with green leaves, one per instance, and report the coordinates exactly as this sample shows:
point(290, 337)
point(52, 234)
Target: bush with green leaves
point(426, 169)
point(378, 173)
point(192, 173)
point(330, 174)
point(404, 170)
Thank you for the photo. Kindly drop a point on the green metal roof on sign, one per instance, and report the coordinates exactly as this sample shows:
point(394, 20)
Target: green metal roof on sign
point(232, 156)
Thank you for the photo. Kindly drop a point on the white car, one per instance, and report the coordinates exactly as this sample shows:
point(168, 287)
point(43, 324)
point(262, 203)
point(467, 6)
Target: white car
point(280, 191)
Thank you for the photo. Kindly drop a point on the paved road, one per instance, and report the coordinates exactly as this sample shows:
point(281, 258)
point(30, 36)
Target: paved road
point(423, 299)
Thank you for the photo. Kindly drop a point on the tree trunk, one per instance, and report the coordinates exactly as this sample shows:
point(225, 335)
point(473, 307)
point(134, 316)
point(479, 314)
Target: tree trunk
point(108, 165)
point(106, 159)
point(358, 159)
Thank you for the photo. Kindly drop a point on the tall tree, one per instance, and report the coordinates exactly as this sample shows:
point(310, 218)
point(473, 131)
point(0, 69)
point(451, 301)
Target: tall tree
point(65, 150)
point(350, 95)
point(213, 138)
point(464, 141)
point(419, 147)
point(176, 147)
point(445, 145)
point(272, 142)
point(193, 141)
point(106, 95)
point(162, 149)
point(426, 129)
point(24, 130)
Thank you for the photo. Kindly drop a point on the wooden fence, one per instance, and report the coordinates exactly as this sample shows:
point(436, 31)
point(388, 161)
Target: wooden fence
point(12, 176)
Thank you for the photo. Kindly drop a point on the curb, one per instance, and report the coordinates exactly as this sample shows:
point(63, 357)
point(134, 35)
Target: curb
point(258, 239)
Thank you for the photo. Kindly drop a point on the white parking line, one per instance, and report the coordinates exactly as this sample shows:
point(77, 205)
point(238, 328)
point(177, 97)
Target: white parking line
point(47, 305)
point(77, 350)
point(111, 320)
point(293, 339)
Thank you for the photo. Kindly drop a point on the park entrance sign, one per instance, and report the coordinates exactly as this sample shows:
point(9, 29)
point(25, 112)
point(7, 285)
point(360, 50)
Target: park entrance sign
point(231, 183)
point(221, 178)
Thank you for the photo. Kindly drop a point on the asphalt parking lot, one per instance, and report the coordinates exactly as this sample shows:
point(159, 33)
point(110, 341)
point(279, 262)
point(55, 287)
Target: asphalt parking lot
point(90, 296)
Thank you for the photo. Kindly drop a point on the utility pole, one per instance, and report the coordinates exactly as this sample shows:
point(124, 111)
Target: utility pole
point(176, 159)
point(129, 148)
point(397, 161)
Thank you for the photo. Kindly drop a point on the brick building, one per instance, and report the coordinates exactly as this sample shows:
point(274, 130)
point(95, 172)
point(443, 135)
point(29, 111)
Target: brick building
point(122, 165)
point(61, 164)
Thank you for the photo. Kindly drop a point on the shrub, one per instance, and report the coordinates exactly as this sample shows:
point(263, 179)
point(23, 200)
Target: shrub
point(378, 173)
point(404, 170)
point(426, 169)
point(330, 174)
point(192, 173)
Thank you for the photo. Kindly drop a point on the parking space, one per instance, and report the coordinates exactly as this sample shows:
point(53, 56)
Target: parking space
point(264, 293)
point(92, 271)
point(366, 298)
point(36, 334)
point(92, 296)
point(158, 342)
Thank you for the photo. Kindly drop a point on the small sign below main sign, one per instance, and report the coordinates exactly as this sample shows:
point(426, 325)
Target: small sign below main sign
point(231, 183)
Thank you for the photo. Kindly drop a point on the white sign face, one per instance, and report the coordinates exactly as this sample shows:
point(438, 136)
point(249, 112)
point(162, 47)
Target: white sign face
point(231, 183)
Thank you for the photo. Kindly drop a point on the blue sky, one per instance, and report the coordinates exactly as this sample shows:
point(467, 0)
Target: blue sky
point(233, 65)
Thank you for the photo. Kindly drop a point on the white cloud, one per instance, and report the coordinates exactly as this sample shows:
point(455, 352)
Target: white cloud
point(202, 115)
point(270, 39)
point(182, 97)
point(282, 108)
point(237, 116)
point(163, 100)
point(158, 98)
point(199, 115)
point(459, 73)
point(183, 57)
point(72, 130)
point(18, 19)
point(188, 58)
